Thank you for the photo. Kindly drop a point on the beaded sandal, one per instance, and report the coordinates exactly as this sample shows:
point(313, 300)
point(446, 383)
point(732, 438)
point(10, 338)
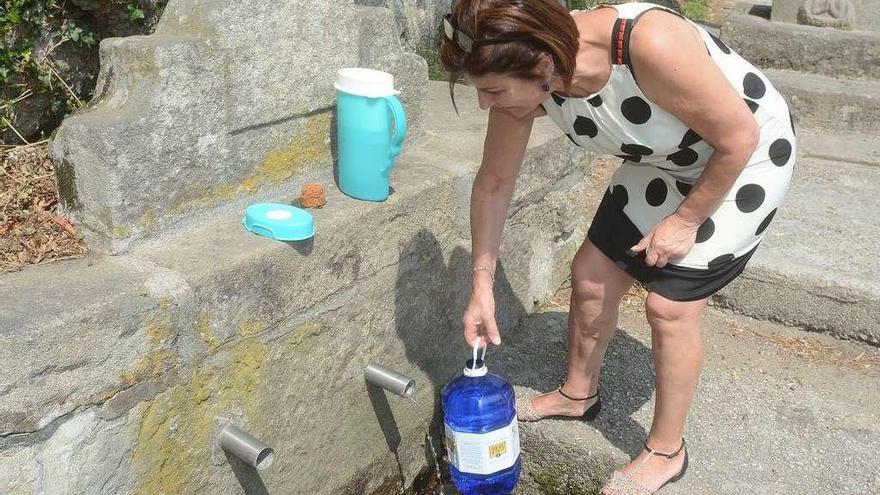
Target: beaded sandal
point(621, 484)
point(525, 408)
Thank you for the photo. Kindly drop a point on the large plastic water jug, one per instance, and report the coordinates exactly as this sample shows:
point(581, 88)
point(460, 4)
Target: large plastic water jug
point(371, 126)
point(482, 437)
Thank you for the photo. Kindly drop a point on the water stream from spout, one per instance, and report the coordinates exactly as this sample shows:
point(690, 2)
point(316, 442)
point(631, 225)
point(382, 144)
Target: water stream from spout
point(434, 455)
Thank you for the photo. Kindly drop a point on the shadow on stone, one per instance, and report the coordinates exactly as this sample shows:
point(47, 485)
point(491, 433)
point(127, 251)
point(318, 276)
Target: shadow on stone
point(430, 299)
point(760, 11)
point(385, 418)
point(304, 247)
point(247, 477)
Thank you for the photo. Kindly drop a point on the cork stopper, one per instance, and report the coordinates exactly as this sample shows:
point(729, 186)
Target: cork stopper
point(312, 196)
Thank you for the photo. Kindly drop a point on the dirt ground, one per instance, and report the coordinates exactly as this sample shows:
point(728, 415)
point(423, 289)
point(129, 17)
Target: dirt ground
point(32, 230)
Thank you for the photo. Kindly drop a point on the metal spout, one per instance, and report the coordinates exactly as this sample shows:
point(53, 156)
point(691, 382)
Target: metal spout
point(390, 380)
point(251, 451)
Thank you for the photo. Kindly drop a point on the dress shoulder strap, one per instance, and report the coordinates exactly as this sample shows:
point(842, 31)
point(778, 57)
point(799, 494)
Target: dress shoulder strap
point(628, 14)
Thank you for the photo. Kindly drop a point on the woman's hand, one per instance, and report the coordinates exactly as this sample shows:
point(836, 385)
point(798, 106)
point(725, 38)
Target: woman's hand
point(670, 240)
point(479, 318)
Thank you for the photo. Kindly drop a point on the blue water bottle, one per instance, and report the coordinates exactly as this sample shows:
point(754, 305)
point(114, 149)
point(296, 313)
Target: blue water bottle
point(366, 111)
point(482, 437)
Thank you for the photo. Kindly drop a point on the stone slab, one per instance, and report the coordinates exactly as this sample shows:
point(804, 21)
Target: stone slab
point(77, 333)
point(226, 100)
point(831, 52)
point(824, 102)
point(850, 147)
point(816, 267)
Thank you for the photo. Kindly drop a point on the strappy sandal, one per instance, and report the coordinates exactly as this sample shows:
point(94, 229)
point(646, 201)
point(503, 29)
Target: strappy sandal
point(621, 484)
point(525, 408)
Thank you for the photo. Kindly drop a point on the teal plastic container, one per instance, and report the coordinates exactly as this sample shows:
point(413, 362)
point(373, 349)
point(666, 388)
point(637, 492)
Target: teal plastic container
point(371, 127)
point(279, 221)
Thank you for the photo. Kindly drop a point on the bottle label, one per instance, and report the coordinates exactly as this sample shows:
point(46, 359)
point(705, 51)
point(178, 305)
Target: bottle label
point(483, 453)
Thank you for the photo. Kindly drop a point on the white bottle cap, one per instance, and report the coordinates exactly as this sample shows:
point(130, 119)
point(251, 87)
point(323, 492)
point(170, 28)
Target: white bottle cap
point(476, 367)
point(365, 82)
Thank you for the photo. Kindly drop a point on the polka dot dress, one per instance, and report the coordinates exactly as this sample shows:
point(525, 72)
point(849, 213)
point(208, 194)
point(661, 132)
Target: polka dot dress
point(663, 158)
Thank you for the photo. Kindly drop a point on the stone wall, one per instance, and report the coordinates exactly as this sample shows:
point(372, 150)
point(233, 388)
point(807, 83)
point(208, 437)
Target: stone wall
point(417, 21)
point(225, 101)
point(121, 370)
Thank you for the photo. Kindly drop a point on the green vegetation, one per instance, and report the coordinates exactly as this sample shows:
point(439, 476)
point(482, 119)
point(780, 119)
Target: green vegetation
point(34, 32)
point(697, 10)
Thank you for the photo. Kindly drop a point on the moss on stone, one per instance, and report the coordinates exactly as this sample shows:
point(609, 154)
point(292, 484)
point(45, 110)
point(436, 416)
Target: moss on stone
point(307, 150)
point(250, 328)
point(555, 481)
point(172, 454)
point(303, 333)
point(203, 331)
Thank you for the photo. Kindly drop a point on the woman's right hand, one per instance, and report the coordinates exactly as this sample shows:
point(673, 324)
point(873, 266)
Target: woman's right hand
point(479, 318)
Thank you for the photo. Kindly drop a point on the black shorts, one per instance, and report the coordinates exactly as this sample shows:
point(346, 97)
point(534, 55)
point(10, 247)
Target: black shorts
point(614, 234)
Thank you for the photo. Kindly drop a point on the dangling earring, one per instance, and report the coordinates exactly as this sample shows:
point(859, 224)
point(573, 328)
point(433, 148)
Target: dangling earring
point(545, 86)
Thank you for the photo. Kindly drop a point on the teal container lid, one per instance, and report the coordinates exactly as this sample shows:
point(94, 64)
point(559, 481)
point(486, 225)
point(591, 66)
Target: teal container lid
point(279, 221)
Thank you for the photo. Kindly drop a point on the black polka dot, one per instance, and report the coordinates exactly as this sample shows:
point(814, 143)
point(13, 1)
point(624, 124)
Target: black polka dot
point(684, 157)
point(584, 126)
point(753, 86)
point(721, 261)
point(632, 158)
point(765, 222)
point(749, 198)
point(636, 149)
point(791, 119)
point(596, 101)
point(753, 106)
point(636, 110)
point(683, 187)
point(780, 152)
point(720, 44)
point(705, 231)
point(558, 99)
point(619, 195)
point(690, 138)
point(655, 194)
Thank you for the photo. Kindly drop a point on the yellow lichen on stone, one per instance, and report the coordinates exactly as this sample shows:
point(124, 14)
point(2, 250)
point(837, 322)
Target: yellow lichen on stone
point(121, 231)
point(307, 149)
point(172, 452)
point(250, 328)
point(203, 330)
point(148, 220)
point(304, 332)
point(159, 353)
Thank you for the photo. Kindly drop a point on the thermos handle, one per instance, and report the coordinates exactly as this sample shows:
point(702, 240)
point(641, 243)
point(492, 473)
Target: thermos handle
point(399, 124)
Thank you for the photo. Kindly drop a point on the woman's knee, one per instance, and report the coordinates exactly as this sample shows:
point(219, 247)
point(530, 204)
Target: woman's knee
point(666, 315)
point(592, 305)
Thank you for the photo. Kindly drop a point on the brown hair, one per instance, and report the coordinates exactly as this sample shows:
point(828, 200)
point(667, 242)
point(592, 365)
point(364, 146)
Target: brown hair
point(545, 26)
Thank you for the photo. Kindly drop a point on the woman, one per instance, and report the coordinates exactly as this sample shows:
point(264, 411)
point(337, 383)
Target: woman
point(708, 148)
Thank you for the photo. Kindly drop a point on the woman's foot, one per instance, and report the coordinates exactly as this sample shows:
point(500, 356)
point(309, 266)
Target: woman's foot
point(647, 473)
point(556, 403)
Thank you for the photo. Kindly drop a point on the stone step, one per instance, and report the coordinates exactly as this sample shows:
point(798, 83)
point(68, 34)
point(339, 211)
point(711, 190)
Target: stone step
point(818, 101)
point(817, 266)
point(850, 147)
point(779, 45)
point(761, 383)
point(124, 365)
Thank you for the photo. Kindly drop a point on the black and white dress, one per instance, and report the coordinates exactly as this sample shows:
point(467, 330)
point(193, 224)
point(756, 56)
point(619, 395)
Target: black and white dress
point(663, 159)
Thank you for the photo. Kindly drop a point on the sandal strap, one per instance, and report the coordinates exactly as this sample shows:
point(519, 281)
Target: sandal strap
point(574, 398)
point(663, 454)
